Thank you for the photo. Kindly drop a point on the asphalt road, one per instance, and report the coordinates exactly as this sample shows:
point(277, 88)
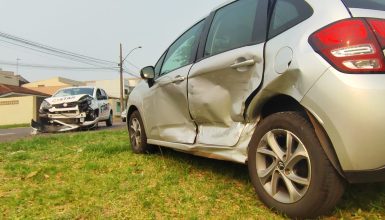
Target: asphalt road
point(14, 134)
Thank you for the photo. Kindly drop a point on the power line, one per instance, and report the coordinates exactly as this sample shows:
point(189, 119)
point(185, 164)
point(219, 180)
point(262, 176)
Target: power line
point(41, 48)
point(77, 68)
point(52, 54)
point(55, 50)
point(53, 67)
point(129, 62)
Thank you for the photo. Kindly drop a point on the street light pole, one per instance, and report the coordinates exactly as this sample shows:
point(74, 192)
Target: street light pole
point(131, 52)
point(122, 84)
point(121, 79)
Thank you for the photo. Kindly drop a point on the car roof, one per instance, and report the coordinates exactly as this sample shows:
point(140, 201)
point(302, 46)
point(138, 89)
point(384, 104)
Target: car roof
point(223, 4)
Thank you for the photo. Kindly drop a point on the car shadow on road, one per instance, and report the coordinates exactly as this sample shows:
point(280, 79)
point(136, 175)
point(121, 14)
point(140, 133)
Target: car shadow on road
point(364, 197)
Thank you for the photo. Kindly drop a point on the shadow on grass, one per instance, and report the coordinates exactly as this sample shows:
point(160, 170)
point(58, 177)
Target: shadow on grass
point(223, 168)
point(364, 197)
point(367, 197)
point(107, 149)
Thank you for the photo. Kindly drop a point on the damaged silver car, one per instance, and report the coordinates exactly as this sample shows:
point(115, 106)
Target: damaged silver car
point(292, 88)
point(74, 108)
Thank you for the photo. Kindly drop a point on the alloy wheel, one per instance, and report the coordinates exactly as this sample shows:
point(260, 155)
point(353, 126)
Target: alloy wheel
point(136, 133)
point(283, 166)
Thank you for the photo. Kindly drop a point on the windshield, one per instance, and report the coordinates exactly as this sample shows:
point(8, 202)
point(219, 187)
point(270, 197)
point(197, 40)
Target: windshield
point(366, 4)
point(74, 91)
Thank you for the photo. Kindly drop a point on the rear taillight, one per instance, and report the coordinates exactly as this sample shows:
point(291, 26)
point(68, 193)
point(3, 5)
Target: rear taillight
point(378, 26)
point(352, 45)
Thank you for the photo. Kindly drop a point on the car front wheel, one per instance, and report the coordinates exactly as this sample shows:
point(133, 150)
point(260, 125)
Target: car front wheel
point(289, 168)
point(109, 120)
point(137, 134)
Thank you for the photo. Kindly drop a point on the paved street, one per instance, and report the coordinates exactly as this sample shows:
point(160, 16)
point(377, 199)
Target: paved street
point(13, 134)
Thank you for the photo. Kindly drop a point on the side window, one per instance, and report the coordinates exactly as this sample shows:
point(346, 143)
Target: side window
point(98, 94)
point(232, 27)
point(288, 13)
point(181, 51)
point(104, 94)
point(158, 65)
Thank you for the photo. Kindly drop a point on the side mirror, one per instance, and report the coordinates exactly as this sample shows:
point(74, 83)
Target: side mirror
point(148, 72)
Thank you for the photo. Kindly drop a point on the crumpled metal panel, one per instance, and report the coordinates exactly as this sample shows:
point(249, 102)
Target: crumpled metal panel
point(224, 135)
point(165, 108)
point(238, 153)
point(218, 92)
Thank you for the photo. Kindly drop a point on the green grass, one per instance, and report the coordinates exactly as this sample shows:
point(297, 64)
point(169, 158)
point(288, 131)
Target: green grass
point(92, 175)
point(14, 126)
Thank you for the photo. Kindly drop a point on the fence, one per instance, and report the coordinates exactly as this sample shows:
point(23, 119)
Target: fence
point(19, 110)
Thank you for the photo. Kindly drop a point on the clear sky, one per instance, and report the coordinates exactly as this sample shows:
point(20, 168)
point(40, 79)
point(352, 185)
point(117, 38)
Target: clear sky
point(95, 28)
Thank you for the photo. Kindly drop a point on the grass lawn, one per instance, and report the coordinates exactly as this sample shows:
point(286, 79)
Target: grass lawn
point(14, 126)
point(95, 175)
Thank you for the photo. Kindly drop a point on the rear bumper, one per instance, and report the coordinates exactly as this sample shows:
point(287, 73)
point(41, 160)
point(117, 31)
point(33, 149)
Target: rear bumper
point(351, 109)
point(366, 176)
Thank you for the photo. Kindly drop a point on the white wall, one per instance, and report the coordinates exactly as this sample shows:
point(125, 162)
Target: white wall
point(17, 110)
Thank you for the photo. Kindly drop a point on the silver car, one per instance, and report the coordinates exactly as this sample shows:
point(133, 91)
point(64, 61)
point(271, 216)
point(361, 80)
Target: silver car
point(292, 88)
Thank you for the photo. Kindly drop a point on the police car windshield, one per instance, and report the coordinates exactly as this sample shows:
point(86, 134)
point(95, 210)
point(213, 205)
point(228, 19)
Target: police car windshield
point(74, 91)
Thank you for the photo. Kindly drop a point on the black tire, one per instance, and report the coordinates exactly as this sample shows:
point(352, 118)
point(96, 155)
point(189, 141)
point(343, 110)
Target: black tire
point(138, 138)
point(324, 187)
point(109, 120)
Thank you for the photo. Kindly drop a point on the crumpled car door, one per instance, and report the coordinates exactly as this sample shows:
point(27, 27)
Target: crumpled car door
point(166, 109)
point(223, 79)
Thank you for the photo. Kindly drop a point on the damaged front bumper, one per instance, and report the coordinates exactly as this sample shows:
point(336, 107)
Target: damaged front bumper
point(64, 119)
point(59, 126)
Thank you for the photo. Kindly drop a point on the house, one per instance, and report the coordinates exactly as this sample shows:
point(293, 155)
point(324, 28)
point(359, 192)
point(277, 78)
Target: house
point(7, 91)
point(18, 105)
point(9, 78)
point(50, 86)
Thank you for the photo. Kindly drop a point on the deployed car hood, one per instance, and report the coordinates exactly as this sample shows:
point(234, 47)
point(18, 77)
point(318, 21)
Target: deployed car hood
point(65, 99)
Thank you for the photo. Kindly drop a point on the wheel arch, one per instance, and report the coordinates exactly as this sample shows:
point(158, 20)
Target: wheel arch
point(282, 103)
point(130, 110)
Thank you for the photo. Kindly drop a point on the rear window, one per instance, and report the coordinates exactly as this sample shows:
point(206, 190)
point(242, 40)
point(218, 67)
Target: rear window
point(287, 14)
point(366, 4)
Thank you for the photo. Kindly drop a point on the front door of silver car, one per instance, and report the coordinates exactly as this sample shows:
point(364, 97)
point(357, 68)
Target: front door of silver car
point(171, 120)
point(229, 69)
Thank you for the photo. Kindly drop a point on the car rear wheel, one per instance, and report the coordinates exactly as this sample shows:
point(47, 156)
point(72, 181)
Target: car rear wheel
point(289, 168)
point(137, 134)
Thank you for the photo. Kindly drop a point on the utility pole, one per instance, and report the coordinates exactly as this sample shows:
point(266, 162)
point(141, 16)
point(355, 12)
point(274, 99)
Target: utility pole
point(122, 83)
point(122, 107)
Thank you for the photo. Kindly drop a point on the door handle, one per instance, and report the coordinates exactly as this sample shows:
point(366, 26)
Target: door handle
point(243, 64)
point(178, 79)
